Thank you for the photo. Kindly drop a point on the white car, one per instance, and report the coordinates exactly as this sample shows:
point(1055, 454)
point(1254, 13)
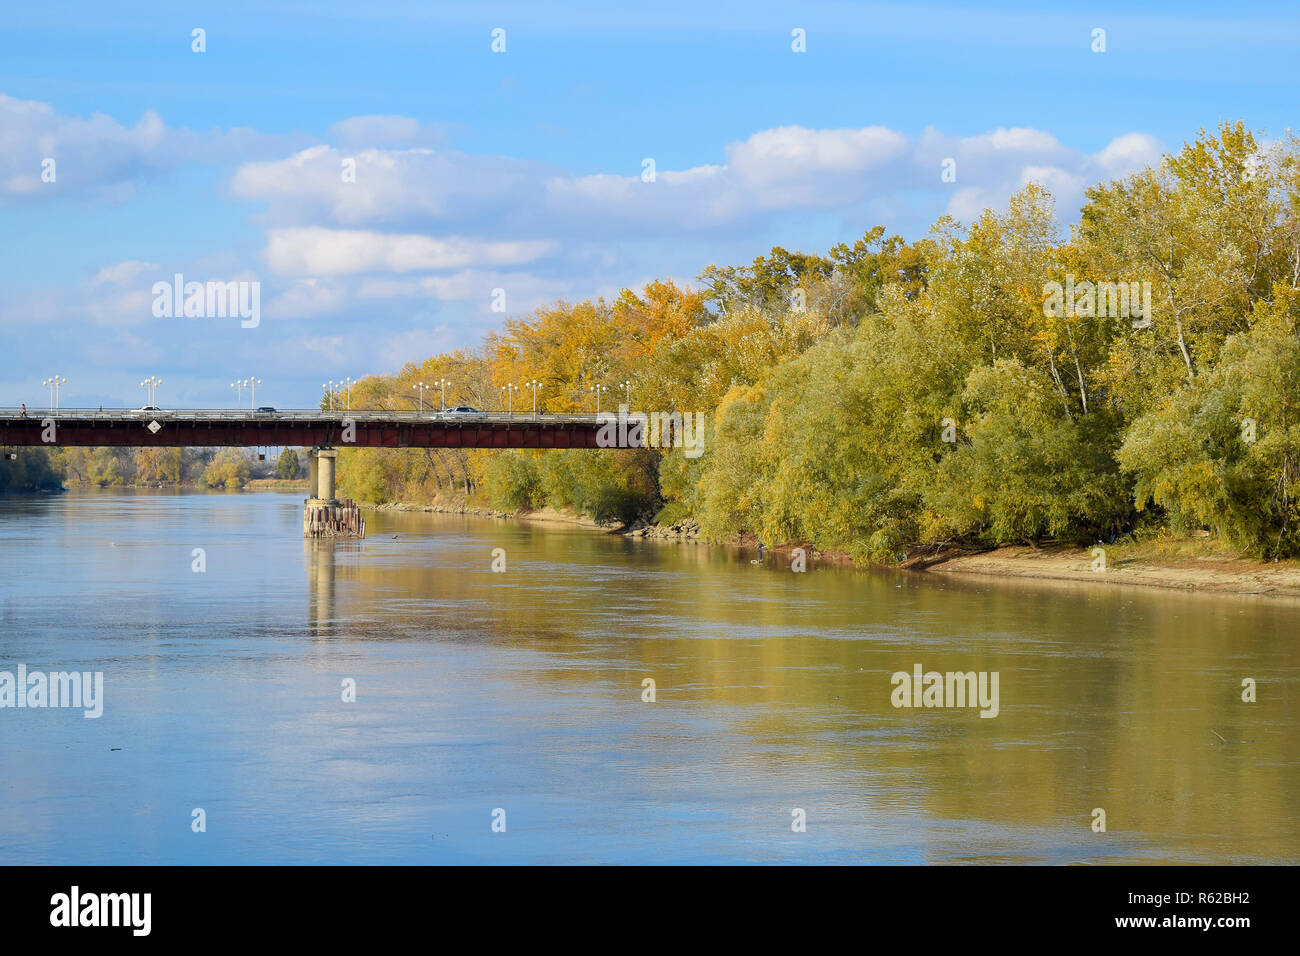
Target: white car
point(460, 411)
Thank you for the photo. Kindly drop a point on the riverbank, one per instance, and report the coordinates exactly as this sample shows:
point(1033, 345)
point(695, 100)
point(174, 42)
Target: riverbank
point(276, 484)
point(1186, 563)
point(459, 507)
point(253, 484)
point(1192, 566)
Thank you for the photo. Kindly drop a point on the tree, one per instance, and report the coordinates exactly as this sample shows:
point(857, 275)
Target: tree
point(287, 466)
point(32, 470)
point(1224, 452)
point(1026, 468)
point(229, 470)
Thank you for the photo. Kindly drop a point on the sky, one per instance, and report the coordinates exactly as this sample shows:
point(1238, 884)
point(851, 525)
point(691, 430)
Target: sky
point(393, 187)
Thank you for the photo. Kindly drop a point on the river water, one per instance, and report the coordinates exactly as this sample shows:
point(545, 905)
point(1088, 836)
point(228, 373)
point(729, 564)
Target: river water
point(516, 698)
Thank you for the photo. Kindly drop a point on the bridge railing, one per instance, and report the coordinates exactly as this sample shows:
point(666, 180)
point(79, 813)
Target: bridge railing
point(296, 415)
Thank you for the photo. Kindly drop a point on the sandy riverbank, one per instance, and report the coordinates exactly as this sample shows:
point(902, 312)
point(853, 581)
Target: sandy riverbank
point(1211, 570)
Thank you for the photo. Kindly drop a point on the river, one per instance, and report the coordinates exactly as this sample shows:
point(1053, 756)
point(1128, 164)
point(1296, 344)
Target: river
point(499, 715)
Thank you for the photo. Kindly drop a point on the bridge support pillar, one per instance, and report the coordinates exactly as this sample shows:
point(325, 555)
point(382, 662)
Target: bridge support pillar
point(325, 516)
point(324, 458)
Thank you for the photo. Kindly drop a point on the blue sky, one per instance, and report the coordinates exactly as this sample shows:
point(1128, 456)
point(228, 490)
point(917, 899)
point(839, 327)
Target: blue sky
point(522, 170)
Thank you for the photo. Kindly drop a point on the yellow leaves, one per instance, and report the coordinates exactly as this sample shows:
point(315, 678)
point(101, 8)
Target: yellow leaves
point(749, 395)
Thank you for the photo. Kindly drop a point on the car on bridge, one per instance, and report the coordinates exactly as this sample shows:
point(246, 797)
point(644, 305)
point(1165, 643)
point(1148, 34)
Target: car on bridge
point(264, 410)
point(147, 410)
point(460, 411)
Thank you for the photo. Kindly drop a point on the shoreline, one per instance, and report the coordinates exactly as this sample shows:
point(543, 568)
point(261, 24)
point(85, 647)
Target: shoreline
point(253, 484)
point(1202, 567)
point(541, 516)
point(1212, 571)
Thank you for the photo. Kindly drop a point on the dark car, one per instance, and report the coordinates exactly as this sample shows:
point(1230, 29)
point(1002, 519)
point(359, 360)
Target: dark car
point(264, 410)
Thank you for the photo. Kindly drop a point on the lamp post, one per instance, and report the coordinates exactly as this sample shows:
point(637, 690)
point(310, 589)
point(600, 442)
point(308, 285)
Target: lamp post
point(252, 398)
point(150, 385)
point(329, 392)
point(509, 391)
point(534, 385)
point(348, 381)
point(628, 387)
point(421, 386)
point(442, 383)
point(598, 389)
point(53, 385)
point(239, 386)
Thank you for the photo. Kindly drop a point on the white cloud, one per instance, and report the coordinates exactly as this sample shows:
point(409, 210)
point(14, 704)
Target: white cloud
point(437, 192)
point(99, 157)
point(124, 273)
point(389, 131)
point(1127, 153)
point(307, 298)
point(793, 166)
point(391, 187)
point(335, 252)
point(992, 166)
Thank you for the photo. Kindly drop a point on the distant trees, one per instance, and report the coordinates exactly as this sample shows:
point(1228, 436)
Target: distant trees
point(229, 469)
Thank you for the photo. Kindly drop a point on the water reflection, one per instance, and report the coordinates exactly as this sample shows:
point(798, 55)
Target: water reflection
point(322, 558)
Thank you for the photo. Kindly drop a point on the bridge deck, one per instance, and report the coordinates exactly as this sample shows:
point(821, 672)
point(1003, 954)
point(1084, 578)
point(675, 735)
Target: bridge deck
point(298, 427)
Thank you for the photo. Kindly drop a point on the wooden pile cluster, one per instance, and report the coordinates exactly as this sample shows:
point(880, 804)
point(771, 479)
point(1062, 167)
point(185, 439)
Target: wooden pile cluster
point(341, 519)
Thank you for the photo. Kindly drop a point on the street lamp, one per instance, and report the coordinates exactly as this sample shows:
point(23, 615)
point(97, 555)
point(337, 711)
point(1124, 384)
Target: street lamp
point(150, 385)
point(598, 389)
point(510, 397)
point(252, 398)
point(442, 383)
point(53, 385)
point(534, 385)
point(628, 386)
point(329, 391)
point(348, 381)
point(421, 386)
point(239, 387)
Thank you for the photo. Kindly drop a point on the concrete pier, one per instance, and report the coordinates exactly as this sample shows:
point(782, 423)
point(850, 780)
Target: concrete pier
point(324, 515)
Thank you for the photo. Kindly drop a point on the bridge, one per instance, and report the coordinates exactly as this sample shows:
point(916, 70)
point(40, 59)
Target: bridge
point(324, 515)
point(200, 428)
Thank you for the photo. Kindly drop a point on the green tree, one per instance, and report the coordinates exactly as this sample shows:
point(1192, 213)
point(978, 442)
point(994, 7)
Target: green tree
point(287, 466)
point(1224, 452)
point(513, 482)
